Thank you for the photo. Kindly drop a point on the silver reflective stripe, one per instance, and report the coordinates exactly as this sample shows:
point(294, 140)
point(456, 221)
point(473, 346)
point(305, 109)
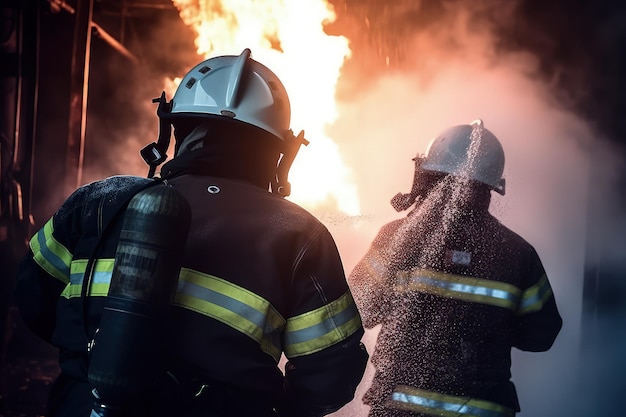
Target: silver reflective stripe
point(205, 294)
point(421, 401)
point(325, 326)
point(468, 289)
point(462, 287)
point(234, 306)
point(100, 279)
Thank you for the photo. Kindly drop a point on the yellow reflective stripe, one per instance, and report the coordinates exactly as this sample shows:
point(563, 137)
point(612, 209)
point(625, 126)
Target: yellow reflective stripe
point(100, 279)
point(50, 255)
point(535, 297)
point(318, 329)
point(432, 403)
point(477, 290)
point(232, 305)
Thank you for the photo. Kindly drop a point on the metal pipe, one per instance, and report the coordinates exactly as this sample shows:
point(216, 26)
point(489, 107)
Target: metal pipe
point(79, 87)
point(104, 35)
point(60, 4)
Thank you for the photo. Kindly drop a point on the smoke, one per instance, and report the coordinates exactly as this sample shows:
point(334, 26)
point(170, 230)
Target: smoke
point(541, 79)
point(121, 115)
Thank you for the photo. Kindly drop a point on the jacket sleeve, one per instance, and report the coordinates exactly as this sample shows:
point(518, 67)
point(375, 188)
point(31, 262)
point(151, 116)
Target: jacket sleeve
point(36, 294)
point(538, 319)
point(372, 277)
point(322, 341)
point(45, 270)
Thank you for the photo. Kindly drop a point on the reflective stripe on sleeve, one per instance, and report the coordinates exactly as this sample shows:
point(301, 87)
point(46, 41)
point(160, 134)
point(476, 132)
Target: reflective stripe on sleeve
point(100, 279)
point(477, 290)
point(323, 327)
point(50, 255)
point(432, 403)
point(234, 306)
point(535, 297)
point(375, 265)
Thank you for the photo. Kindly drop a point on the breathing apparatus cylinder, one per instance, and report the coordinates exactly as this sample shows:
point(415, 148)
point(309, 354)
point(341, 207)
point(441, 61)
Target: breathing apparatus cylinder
point(127, 354)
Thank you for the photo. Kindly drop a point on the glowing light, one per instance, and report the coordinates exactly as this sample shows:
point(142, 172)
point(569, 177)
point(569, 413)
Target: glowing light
point(288, 37)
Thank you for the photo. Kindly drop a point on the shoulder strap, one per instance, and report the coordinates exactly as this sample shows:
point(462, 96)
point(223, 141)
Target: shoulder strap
point(116, 209)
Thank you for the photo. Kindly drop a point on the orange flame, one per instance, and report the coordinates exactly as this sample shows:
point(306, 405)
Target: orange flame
point(288, 37)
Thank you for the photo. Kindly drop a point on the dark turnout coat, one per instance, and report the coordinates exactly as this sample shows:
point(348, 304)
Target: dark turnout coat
point(261, 279)
point(451, 306)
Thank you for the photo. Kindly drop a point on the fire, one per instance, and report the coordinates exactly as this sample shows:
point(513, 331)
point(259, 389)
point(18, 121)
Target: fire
point(289, 38)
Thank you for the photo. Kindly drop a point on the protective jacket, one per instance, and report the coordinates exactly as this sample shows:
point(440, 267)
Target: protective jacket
point(261, 278)
point(451, 308)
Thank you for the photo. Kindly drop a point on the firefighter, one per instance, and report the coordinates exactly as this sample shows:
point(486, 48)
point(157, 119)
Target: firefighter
point(260, 278)
point(452, 288)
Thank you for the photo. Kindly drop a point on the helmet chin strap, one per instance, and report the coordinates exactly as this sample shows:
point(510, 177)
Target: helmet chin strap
point(155, 153)
point(281, 185)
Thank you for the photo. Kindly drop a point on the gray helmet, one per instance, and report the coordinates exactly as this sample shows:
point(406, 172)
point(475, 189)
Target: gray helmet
point(229, 87)
point(235, 87)
point(467, 151)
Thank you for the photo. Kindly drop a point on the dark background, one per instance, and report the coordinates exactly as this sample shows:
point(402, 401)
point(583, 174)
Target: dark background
point(54, 137)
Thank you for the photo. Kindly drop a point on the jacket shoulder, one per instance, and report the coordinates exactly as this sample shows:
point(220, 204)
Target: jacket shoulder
point(510, 237)
point(112, 189)
point(289, 211)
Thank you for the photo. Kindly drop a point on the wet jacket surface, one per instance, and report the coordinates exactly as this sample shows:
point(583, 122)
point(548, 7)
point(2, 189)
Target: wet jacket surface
point(261, 277)
point(451, 310)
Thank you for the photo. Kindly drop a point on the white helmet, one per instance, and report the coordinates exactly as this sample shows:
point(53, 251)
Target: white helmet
point(468, 151)
point(238, 88)
point(230, 88)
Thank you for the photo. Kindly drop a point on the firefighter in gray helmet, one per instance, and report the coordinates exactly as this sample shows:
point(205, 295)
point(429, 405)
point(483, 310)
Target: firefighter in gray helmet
point(260, 278)
point(453, 289)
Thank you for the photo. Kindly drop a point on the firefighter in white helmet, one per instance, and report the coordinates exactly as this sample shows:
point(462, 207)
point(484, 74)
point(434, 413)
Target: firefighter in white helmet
point(453, 288)
point(260, 278)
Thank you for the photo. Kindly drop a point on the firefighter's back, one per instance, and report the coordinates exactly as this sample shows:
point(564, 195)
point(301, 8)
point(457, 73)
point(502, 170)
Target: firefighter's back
point(235, 289)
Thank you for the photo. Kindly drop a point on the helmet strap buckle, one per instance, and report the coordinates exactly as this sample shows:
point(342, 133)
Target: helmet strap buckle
point(152, 155)
point(156, 153)
point(282, 186)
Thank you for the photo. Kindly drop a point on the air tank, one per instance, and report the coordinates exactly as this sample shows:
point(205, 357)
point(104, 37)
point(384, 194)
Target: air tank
point(128, 349)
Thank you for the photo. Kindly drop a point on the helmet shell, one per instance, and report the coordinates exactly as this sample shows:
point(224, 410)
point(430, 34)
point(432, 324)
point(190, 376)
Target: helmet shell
point(467, 151)
point(236, 88)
